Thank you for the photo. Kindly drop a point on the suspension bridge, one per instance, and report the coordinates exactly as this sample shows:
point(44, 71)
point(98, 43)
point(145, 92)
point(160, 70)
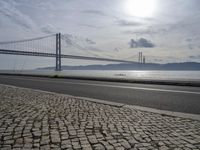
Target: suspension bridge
point(46, 46)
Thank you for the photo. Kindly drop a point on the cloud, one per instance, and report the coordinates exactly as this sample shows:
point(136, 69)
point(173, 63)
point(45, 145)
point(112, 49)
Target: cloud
point(191, 43)
point(78, 42)
point(141, 43)
point(190, 46)
point(123, 22)
point(195, 57)
point(189, 40)
point(116, 49)
point(140, 32)
point(148, 31)
point(91, 26)
point(95, 12)
point(99, 13)
point(70, 41)
point(9, 10)
point(93, 49)
point(90, 41)
point(49, 29)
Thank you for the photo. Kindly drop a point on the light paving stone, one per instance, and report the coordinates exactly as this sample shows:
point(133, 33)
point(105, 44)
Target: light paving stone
point(37, 120)
point(98, 147)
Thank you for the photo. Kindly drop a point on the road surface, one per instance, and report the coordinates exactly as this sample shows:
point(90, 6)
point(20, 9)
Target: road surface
point(165, 97)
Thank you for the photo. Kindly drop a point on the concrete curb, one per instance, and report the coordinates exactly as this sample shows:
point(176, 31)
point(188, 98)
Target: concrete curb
point(115, 104)
point(165, 112)
point(146, 109)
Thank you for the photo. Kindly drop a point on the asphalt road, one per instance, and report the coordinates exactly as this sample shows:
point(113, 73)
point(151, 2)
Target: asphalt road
point(164, 97)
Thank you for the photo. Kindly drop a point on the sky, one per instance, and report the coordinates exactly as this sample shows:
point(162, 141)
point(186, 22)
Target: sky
point(164, 30)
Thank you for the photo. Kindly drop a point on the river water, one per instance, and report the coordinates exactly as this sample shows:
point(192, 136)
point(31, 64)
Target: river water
point(160, 75)
point(117, 74)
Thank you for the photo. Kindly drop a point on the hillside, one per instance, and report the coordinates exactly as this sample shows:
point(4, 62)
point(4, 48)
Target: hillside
point(135, 66)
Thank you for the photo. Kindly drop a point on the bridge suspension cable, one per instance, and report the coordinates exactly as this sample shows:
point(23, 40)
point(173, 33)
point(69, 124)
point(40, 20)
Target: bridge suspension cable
point(46, 46)
point(27, 40)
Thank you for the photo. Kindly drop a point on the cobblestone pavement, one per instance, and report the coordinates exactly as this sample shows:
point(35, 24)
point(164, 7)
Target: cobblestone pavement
point(31, 119)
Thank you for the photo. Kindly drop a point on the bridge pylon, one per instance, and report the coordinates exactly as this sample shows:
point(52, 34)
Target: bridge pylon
point(58, 52)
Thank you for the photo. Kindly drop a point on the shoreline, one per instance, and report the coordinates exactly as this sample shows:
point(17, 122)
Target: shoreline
point(115, 78)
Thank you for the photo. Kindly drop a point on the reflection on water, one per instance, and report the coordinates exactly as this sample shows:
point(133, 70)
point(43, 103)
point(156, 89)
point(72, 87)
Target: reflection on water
point(162, 75)
point(120, 74)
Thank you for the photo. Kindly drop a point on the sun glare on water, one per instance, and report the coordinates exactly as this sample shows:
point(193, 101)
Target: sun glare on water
point(140, 8)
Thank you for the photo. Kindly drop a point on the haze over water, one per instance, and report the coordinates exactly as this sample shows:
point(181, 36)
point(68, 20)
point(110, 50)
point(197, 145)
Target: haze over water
point(165, 75)
point(119, 74)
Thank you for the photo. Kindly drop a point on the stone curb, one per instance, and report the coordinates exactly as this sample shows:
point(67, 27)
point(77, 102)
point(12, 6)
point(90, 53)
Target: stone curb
point(115, 104)
point(165, 112)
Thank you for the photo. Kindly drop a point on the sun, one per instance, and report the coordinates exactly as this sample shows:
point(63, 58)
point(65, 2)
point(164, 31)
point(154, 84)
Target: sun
point(140, 8)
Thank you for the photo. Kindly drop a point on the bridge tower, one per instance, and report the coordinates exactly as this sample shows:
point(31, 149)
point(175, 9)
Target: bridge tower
point(58, 52)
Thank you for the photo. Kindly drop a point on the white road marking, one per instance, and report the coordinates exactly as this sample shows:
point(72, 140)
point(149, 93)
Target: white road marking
point(107, 85)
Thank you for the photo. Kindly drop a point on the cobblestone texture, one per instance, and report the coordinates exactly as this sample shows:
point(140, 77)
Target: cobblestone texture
point(37, 120)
